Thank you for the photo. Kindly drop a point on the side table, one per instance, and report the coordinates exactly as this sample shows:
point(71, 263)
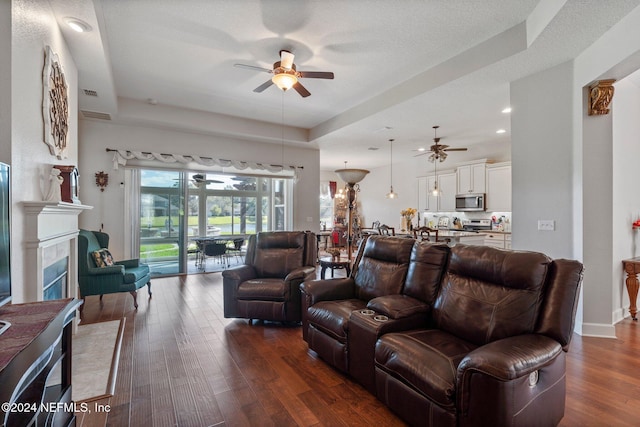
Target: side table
point(632, 268)
point(334, 264)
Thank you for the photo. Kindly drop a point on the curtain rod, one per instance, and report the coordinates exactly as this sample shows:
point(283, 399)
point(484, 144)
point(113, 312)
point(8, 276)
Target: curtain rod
point(111, 150)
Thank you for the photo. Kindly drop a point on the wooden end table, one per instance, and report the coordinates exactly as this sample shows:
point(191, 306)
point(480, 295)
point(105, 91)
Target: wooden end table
point(334, 264)
point(632, 268)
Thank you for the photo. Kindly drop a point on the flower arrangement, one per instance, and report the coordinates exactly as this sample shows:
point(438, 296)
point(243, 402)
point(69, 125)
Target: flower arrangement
point(408, 213)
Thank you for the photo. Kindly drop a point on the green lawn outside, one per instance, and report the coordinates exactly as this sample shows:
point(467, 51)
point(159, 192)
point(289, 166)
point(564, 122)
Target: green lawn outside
point(160, 221)
point(158, 250)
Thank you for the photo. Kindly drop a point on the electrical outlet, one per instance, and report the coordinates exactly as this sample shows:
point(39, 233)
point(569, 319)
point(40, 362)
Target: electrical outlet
point(309, 219)
point(546, 225)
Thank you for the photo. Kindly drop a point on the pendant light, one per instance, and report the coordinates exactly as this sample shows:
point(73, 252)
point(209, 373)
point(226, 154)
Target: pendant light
point(391, 194)
point(435, 192)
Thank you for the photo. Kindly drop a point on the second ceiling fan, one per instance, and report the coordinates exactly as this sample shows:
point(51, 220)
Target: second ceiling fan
point(438, 151)
point(286, 75)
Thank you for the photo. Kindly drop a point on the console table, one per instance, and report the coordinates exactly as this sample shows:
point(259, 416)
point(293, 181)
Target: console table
point(35, 363)
point(632, 268)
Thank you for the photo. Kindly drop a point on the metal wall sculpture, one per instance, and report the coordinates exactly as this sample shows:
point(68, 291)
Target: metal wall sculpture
point(55, 105)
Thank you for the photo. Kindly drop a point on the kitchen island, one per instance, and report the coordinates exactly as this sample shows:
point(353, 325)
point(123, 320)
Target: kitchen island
point(461, 236)
point(497, 239)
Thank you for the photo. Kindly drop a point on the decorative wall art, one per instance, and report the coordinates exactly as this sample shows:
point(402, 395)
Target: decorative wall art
point(55, 105)
point(102, 180)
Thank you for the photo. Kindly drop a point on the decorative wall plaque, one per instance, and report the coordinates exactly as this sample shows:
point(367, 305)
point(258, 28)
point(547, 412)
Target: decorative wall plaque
point(55, 105)
point(600, 96)
point(102, 180)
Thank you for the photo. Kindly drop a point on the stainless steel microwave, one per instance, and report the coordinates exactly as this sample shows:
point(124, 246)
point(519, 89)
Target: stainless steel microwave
point(470, 202)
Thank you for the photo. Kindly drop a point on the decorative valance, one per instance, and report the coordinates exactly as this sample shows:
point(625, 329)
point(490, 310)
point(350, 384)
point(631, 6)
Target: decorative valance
point(120, 158)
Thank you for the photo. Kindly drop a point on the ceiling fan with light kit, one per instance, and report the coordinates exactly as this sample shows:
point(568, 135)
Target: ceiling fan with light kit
point(199, 180)
point(438, 151)
point(286, 74)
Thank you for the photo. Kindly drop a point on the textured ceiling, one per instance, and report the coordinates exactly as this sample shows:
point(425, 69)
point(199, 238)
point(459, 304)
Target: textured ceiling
point(401, 64)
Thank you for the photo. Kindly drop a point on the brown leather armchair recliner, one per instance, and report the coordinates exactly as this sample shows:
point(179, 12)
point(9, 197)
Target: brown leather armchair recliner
point(493, 350)
point(266, 286)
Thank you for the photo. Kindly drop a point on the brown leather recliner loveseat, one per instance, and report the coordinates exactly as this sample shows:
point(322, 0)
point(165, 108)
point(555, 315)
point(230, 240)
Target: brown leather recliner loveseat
point(491, 350)
point(394, 276)
point(266, 286)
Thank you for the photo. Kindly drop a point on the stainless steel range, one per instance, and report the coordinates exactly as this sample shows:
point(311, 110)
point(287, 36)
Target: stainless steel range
point(476, 224)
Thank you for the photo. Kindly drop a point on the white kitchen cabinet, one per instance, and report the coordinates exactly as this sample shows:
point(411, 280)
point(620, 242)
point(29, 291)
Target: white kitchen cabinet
point(446, 202)
point(507, 241)
point(499, 188)
point(426, 202)
point(432, 201)
point(472, 239)
point(471, 178)
point(495, 240)
point(423, 204)
point(447, 186)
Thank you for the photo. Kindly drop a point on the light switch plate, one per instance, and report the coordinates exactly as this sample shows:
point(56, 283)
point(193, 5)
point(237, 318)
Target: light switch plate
point(546, 225)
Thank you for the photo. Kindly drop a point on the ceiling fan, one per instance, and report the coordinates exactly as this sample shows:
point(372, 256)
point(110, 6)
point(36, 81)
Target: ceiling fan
point(286, 75)
point(199, 179)
point(438, 151)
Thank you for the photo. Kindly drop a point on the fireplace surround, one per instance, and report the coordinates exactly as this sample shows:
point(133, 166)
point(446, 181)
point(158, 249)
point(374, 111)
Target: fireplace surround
point(51, 236)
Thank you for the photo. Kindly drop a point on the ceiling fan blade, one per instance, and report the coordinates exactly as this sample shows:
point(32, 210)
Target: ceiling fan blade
point(253, 67)
point(316, 74)
point(263, 86)
point(286, 59)
point(455, 149)
point(422, 154)
point(301, 90)
point(438, 147)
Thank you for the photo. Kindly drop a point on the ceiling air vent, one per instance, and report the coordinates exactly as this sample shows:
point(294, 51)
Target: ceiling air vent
point(90, 92)
point(95, 115)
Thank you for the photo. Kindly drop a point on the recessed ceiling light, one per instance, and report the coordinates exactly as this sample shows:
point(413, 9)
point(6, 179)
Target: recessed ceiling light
point(507, 110)
point(501, 131)
point(421, 149)
point(77, 25)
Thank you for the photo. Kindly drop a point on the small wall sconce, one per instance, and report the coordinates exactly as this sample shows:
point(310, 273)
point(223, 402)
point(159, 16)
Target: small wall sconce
point(102, 180)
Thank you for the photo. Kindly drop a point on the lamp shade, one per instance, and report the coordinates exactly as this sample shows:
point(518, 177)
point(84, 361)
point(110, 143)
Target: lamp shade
point(352, 176)
point(284, 80)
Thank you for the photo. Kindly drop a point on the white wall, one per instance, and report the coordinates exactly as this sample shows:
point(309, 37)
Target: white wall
point(542, 160)
point(573, 168)
point(5, 82)
point(33, 27)
point(374, 205)
point(625, 111)
point(109, 207)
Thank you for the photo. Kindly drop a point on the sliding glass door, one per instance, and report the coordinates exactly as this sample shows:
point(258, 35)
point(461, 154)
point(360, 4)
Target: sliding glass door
point(162, 221)
point(177, 207)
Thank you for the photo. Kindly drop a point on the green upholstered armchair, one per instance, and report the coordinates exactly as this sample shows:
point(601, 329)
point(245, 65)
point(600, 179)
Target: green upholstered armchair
point(122, 276)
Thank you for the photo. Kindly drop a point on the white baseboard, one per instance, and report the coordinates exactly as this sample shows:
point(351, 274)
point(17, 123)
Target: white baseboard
point(599, 330)
point(619, 315)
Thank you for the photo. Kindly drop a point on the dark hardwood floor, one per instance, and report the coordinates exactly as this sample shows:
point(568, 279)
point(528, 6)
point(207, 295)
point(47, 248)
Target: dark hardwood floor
point(184, 364)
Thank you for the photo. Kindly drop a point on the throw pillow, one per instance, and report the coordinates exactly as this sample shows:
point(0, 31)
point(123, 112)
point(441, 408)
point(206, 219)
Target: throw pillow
point(102, 257)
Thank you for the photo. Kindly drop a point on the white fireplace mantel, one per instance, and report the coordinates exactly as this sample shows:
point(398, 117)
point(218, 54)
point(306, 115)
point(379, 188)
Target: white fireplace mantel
point(51, 233)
